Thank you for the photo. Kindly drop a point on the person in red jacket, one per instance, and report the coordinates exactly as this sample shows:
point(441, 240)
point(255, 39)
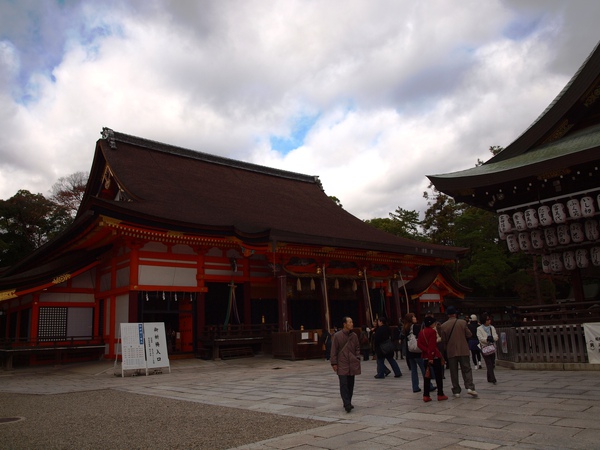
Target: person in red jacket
point(427, 342)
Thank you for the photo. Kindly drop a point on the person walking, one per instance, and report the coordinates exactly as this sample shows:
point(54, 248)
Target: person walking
point(432, 357)
point(383, 334)
point(365, 344)
point(413, 358)
point(455, 334)
point(487, 336)
point(345, 360)
point(474, 342)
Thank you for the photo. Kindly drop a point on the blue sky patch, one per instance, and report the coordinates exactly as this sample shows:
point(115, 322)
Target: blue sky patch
point(300, 128)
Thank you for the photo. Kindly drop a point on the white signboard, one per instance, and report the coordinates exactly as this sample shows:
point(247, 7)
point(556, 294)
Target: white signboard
point(143, 346)
point(592, 341)
point(132, 346)
point(156, 345)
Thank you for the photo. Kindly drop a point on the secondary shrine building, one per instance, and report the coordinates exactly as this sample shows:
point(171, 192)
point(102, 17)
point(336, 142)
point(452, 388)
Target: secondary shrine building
point(545, 186)
point(213, 248)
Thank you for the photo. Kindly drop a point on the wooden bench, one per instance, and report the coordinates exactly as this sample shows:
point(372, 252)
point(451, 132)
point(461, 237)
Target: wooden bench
point(56, 352)
point(217, 346)
point(236, 352)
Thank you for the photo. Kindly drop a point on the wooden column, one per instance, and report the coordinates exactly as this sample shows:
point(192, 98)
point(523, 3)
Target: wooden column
point(396, 301)
point(282, 300)
point(35, 317)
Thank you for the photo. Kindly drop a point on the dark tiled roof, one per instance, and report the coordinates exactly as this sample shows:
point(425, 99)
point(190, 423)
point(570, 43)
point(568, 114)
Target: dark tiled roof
point(187, 189)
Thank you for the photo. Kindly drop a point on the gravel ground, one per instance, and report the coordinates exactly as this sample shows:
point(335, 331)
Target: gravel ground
point(110, 419)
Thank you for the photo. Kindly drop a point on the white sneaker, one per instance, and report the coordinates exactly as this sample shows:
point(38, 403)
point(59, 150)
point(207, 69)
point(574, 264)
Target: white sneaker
point(479, 365)
point(476, 367)
point(456, 395)
point(472, 392)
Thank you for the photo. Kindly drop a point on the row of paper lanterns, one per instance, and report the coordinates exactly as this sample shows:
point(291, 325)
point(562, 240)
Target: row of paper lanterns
point(570, 260)
point(546, 215)
point(575, 232)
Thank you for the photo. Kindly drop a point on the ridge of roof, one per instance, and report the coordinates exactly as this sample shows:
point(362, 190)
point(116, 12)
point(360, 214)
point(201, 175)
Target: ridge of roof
point(577, 85)
point(114, 136)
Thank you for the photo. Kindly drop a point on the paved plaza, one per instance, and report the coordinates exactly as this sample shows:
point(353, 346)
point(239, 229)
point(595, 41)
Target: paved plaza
point(526, 409)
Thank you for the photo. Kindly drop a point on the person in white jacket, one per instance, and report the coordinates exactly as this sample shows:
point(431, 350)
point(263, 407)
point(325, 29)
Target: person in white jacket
point(487, 335)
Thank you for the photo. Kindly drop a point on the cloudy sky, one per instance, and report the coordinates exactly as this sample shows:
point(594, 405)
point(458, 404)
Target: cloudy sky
point(370, 96)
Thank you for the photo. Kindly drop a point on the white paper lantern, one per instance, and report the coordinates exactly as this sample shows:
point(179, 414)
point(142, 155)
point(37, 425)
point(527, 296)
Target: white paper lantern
point(587, 206)
point(524, 242)
point(545, 216)
point(519, 221)
point(512, 243)
point(558, 213)
point(537, 239)
point(595, 255)
point(501, 234)
point(582, 258)
point(591, 230)
point(546, 264)
point(569, 260)
point(550, 237)
point(576, 230)
point(556, 264)
point(574, 208)
point(531, 218)
point(505, 223)
point(562, 232)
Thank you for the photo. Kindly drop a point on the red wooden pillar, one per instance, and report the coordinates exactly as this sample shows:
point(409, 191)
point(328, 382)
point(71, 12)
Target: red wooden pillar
point(282, 301)
point(35, 318)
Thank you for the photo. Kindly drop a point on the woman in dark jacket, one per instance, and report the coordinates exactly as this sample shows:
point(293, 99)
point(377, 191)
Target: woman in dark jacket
point(413, 359)
point(383, 334)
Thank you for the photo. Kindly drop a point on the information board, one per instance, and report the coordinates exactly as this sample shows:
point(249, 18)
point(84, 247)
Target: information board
point(143, 346)
point(132, 346)
point(156, 345)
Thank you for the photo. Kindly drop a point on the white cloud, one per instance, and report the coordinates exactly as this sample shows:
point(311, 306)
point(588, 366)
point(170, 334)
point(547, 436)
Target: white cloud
point(398, 89)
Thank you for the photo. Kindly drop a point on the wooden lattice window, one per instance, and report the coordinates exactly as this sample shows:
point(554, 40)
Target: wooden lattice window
point(53, 324)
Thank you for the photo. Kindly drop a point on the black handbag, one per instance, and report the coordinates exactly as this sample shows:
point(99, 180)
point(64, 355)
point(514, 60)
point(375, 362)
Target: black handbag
point(387, 347)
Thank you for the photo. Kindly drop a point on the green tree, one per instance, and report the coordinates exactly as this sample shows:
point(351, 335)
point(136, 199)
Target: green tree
point(28, 221)
point(401, 222)
point(440, 217)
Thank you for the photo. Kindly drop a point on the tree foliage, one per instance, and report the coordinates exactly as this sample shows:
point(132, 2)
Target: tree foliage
point(28, 221)
point(401, 222)
point(68, 191)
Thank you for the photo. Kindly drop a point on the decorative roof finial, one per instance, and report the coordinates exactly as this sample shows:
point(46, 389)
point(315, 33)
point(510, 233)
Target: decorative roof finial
point(109, 135)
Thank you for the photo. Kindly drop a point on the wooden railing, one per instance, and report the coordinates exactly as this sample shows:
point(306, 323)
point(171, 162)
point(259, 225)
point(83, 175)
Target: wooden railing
point(212, 339)
point(543, 344)
point(560, 313)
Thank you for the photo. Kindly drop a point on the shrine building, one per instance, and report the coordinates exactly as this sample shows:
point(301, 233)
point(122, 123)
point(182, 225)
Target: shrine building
point(231, 256)
point(545, 186)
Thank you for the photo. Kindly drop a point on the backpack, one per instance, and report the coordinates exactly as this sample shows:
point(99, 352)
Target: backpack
point(412, 342)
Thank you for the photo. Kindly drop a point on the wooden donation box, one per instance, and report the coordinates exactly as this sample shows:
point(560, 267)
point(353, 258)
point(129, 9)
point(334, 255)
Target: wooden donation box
point(303, 344)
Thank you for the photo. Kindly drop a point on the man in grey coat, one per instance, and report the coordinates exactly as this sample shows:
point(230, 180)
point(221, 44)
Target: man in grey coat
point(455, 334)
point(345, 360)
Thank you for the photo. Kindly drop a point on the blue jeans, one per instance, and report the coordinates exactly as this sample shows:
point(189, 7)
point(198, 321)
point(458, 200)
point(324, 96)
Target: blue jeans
point(415, 365)
point(381, 365)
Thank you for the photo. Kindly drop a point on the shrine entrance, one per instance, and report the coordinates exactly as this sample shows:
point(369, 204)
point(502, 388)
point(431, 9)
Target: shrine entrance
point(177, 311)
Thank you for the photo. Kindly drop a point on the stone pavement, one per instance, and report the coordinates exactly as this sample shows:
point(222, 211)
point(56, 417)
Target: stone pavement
point(526, 409)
